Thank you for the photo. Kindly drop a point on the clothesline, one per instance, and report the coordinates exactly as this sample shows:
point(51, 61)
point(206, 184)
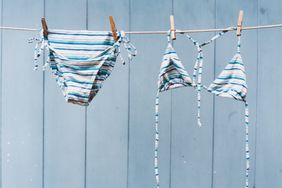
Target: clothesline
point(164, 32)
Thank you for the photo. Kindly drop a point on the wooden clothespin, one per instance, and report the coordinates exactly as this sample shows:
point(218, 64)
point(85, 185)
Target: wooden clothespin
point(44, 27)
point(113, 28)
point(172, 28)
point(240, 23)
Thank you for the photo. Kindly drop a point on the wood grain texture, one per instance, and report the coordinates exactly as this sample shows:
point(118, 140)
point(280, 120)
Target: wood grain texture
point(1, 131)
point(64, 123)
point(48, 143)
point(148, 15)
point(21, 99)
point(269, 129)
point(191, 144)
point(107, 115)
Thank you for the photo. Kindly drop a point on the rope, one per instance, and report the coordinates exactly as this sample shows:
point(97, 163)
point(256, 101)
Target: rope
point(165, 32)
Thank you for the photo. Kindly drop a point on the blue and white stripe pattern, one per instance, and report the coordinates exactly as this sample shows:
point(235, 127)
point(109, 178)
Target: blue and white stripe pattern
point(82, 60)
point(231, 83)
point(172, 75)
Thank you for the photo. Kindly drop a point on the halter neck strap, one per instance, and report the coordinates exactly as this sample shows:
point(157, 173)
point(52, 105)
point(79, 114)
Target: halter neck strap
point(196, 43)
point(169, 41)
point(213, 38)
point(239, 45)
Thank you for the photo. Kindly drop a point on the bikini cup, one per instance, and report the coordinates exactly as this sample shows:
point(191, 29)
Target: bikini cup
point(231, 82)
point(172, 72)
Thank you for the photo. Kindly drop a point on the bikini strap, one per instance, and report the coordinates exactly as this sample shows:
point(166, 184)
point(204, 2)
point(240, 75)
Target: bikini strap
point(196, 65)
point(239, 45)
point(156, 157)
point(156, 152)
point(247, 150)
point(196, 43)
point(131, 50)
point(168, 35)
point(214, 38)
point(197, 71)
point(37, 53)
point(41, 43)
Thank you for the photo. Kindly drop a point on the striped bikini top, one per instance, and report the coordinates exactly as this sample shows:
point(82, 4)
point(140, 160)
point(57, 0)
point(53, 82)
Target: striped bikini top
point(231, 83)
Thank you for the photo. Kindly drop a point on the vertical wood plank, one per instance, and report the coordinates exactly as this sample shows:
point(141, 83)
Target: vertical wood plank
point(107, 116)
point(148, 15)
point(1, 140)
point(229, 126)
point(64, 123)
point(269, 130)
point(191, 144)
point(21, 99)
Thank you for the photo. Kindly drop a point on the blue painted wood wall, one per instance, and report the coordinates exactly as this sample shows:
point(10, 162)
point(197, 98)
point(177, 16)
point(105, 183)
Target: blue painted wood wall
point(47, 143)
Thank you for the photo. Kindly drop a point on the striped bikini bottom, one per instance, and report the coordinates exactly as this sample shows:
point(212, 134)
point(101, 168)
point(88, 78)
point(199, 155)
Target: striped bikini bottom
point(82, 60)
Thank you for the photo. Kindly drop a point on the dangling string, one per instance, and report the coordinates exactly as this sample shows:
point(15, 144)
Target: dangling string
point(194, 76)
point(199, 85)
point(156, 158)
point(35, 57)
point(247, 150)
point(196, 66)
point(41, 43)
point(39, 47)
point(198, 69)
point(198, 72)
point(131, 50)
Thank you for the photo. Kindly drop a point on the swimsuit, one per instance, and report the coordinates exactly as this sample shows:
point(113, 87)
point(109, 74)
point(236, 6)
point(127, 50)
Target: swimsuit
point(172, 75)
point(82, 60)
point(231, 83)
